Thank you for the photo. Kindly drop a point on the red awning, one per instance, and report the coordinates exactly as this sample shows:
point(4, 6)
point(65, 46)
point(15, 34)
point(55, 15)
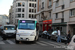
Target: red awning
point(47, 21)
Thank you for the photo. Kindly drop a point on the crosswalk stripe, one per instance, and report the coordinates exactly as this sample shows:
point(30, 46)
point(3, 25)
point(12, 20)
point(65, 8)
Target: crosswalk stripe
point(2, 42)
point(10, 42)
point(54, 43)
point(49, 43)
point(41, 44)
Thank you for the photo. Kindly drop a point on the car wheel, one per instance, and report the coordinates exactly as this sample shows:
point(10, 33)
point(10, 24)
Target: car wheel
point(17, 42)
point(56, 39)
point(47, 37)
point(4, 38)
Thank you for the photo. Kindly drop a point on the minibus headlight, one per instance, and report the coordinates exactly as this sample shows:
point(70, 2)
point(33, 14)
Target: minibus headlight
point(33, 34)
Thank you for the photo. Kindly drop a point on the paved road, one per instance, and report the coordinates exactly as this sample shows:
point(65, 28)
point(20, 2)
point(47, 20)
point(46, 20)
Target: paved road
point(42, 44)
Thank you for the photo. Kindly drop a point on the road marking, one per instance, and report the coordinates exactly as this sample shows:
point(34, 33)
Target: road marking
point(2, 42)
point(56, 43)
point(48, 43)
point(10, 42)
point(41, 44)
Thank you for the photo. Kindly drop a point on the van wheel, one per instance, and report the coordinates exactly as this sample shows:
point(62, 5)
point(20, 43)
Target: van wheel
point(17, 42)
point(56, 39)
point(4, 38)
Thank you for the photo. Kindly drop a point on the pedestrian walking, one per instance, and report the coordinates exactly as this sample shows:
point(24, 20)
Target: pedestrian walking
point(58, 38)
point(68, 37)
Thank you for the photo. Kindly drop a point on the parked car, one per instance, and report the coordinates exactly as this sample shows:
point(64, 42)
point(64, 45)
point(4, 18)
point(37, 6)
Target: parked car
point(48, 35)
point(44, 34)
point(54, 36)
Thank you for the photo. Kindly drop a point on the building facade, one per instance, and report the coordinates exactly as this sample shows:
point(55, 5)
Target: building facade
point(10, 16)
point(44, 11)
point(23, 9)
point(3, 20)
point(62, 13)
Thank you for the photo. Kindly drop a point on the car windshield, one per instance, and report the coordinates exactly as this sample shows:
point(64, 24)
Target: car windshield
point(54, 32)
point(9, 27)
point(62, 33)
point(27, 25)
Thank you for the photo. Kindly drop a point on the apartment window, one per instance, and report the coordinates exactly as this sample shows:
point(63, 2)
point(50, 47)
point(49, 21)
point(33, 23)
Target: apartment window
point(29, 15)
point(57, 3)
point(35, 0)
point(32, 16)
point(42, 4)
point(19, 9)
point(56, 15)
point(32, 0)
point(19, 4)
point(50, 14)
point(23, 4)
point(22, 15)
point(32, 5)
point(35, 10)
point(63, 14)
point(29, 4)
point(63, 6)
point(72, 12)
point(35, 5)
point(22, 9)
point(72, 0)
point(29, 10)
point(62, 20)
point(29, 0)
point(32, 10)
point(19, 15)
point(50, 2)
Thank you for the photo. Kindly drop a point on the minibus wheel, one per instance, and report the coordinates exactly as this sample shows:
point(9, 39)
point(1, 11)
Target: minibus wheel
point(17, 42)
point(34, 40)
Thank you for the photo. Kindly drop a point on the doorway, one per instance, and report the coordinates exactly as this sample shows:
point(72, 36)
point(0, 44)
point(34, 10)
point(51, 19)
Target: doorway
point(73, 31)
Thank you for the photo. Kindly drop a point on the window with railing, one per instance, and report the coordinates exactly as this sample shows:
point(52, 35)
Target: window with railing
point(50, 3)
point(57, 3)
point(72, 12)
point(42, 5)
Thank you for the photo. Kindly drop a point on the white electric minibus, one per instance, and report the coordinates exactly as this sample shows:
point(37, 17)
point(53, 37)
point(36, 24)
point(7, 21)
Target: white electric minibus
point(27, 30)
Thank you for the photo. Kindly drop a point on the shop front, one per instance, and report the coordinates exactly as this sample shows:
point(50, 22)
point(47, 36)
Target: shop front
point(61, 26)
point(71, 27)
point(47, 24)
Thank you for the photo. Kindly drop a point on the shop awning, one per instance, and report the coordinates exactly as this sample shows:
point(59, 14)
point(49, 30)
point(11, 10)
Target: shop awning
point(47, 21)
point(59, 24)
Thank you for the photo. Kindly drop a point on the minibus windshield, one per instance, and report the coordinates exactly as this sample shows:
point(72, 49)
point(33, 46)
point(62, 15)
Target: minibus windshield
point(26, 24)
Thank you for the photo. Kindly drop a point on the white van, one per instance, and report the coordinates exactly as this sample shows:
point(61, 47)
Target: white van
point(8, 31)
point(27, 30)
